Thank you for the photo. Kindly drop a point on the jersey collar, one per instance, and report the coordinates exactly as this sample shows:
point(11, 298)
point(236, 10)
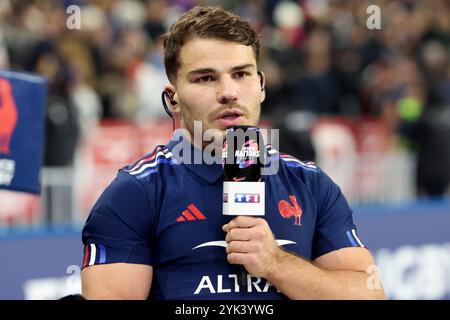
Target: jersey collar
point(179, 143)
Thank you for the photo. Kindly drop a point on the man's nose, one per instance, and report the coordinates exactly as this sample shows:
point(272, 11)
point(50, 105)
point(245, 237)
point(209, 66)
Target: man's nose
point(227, 90)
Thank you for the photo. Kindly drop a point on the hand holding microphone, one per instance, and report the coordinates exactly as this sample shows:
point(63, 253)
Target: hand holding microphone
point(249, 238)
point(252, 245)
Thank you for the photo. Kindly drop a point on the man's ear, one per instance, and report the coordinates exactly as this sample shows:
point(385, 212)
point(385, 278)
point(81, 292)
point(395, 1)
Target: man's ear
point(173, 98)
point(262, 80)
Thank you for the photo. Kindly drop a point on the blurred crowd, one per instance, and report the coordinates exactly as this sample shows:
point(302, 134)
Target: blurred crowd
point(319, 56)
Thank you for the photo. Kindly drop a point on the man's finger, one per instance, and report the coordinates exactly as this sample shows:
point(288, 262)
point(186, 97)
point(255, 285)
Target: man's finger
point(237, 247)
point(241, 222)
point(243, 247)
point(238, 234)
point(236, 258)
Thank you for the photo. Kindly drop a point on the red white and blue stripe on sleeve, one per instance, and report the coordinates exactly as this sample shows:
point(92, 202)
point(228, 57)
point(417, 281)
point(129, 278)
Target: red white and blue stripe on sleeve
point(94, 254)
point(353, 238)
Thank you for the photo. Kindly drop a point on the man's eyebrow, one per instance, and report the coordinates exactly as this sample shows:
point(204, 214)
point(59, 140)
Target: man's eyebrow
point(211, 70)
point(201, 71)
point(243, 66)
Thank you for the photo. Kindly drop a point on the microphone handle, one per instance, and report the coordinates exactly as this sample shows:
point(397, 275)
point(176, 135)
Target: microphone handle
point(242, 276)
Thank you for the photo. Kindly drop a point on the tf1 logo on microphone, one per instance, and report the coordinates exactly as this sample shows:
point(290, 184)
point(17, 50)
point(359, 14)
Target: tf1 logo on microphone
point(243, 198)
point(247, 198)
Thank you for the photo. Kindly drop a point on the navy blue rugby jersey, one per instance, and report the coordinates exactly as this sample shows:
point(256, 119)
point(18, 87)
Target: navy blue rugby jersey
point(164, 212)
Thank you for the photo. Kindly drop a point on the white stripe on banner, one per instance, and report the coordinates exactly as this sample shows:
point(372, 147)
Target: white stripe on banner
point(93, 252)
point(356, 237)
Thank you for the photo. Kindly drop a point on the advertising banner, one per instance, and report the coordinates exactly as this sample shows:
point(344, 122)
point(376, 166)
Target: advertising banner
point(22, 104)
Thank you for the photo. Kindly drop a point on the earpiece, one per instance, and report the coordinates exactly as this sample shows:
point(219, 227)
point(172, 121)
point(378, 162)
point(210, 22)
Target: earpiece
point(166, 95)
point(171, 101)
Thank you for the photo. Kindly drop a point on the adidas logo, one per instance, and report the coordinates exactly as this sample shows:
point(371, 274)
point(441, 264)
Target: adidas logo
point(190, 214)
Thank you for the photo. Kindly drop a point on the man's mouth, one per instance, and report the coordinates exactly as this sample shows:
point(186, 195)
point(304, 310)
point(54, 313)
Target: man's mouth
point(230, 114)
point(230, 118)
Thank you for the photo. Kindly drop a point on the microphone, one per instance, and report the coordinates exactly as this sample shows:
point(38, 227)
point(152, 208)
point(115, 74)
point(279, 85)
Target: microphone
point(243, 188)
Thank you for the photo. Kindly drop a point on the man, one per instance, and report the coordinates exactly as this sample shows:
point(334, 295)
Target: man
point(156, 230)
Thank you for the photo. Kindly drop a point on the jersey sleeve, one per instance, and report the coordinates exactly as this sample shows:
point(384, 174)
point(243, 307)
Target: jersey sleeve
point(334, 228)
point(120, 225)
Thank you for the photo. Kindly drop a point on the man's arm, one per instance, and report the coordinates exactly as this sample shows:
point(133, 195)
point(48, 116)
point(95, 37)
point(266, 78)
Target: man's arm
point(117, 281)
point(340, 274)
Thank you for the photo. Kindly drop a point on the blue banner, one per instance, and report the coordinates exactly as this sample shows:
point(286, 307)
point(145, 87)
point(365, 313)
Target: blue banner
point(22, 106)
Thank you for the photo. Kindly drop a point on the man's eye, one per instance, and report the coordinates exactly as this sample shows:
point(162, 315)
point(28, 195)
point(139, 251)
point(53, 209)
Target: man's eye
point(205, 79)
point(241, 74)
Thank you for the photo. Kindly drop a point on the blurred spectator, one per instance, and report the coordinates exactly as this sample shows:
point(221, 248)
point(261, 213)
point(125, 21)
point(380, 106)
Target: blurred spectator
point(155, 24)
point(435, 57)
point(61, 127)
point(317, 90)
point(4, 57)
point(5, 9)
point(432, 135)
point(150, 79)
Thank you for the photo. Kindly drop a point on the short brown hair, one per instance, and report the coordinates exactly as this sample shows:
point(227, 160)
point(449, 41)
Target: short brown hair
point(206, 22)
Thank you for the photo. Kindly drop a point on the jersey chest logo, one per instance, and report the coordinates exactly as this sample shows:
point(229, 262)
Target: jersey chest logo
point(192, 213)
point(288, 210)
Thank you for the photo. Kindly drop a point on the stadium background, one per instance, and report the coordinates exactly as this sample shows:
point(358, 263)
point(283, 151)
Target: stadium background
point(370, 106)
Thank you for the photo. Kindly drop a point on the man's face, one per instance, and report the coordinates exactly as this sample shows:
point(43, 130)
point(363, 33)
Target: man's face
point(217, 83)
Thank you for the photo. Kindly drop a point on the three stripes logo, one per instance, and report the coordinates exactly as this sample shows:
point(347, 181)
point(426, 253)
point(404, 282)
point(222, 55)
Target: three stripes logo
point(190, 214)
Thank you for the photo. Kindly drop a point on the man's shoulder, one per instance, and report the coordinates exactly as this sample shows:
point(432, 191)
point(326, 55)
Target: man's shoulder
point(150, 164)
point(292, 163)
point(138, 178)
